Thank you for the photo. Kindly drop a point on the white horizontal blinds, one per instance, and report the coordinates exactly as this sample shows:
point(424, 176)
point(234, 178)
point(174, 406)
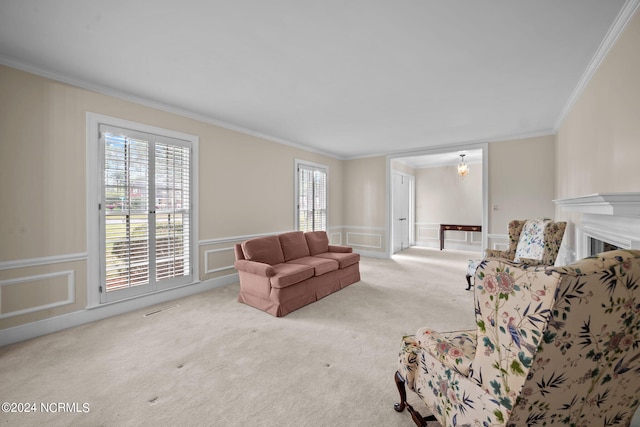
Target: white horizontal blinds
point(147, 211)
point(312, 198)
point(126, 208)
point(173, 201)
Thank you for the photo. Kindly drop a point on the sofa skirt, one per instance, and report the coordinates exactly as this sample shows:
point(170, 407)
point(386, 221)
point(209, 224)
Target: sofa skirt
point(282, 301)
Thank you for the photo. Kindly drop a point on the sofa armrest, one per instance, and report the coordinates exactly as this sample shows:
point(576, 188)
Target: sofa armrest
point(340, 248)
point(253, 267)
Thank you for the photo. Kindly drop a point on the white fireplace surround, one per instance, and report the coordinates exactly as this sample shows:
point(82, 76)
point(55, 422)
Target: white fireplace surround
point(610, 217)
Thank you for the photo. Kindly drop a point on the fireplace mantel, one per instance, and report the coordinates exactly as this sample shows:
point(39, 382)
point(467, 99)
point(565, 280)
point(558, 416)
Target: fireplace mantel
point(619, 204)
point(610, 217)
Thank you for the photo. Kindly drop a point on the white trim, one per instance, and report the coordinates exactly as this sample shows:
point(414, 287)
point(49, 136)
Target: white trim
point(233, 239)
point(206, 260)
point(34, 262)
point(53, 324)
point(612, 36)
point(362, 227)
point(622, 204)
point(71, 291)
point(93, 121)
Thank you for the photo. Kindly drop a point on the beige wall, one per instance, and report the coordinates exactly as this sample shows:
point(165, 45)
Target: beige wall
point(246, 188)
point(442, 197)
point(521, 181)
point(364, 204)
point(598, 142)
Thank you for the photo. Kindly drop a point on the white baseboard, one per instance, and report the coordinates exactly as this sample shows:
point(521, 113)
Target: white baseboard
point(69, 320)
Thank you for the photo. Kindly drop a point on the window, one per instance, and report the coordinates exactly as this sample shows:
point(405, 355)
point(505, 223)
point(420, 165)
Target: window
point(145, 194)
point(311, 196)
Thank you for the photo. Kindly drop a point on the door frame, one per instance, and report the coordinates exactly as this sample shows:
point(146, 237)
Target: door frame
point(484, 146)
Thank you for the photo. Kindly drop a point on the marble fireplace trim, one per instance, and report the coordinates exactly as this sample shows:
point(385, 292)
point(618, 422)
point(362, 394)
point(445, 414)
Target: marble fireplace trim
point(611, 217)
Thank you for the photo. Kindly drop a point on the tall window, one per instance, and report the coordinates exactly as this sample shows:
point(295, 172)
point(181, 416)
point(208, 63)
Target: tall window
point(145, 212)
point(311, 194)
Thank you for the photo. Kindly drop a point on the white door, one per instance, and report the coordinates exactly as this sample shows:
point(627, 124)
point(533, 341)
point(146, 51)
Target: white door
point(402, 218)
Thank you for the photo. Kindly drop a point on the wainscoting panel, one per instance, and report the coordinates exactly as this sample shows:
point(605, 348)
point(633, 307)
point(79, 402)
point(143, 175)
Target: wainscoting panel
point(34, 293)
point(335, 238)
point(216, 260)
point(40, 288)
point(365, 240)
point(498, 241)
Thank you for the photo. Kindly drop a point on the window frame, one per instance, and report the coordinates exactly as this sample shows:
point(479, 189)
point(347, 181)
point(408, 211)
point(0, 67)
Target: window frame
point(94, 197)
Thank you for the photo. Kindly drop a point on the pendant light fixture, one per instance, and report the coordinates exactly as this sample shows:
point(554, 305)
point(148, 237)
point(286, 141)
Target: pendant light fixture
point(463, 168)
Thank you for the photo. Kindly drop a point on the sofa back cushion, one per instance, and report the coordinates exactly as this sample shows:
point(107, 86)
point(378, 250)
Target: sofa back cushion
point(318, 242)
point(263, 249)
point(294, 245)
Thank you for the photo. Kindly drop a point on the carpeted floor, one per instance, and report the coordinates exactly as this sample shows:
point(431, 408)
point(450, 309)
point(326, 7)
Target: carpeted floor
point(209, 360)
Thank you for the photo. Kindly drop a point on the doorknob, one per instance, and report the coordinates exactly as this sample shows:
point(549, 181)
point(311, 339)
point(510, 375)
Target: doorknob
point(402, 219)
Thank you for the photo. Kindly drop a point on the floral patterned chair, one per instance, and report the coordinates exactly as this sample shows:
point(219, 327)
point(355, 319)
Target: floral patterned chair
point(552, 346)
point(533, 241)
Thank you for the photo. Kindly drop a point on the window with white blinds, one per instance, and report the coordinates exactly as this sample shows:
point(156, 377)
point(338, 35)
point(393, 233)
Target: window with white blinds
point(311, 194)
point(146, 211)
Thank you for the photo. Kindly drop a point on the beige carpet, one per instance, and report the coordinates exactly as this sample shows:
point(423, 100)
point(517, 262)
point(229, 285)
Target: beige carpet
point(208, 360)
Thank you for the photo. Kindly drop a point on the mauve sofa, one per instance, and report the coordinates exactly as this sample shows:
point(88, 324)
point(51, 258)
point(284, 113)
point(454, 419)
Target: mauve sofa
point(279, 274)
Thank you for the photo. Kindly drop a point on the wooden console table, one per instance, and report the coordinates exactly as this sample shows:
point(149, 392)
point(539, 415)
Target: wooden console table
point(455, 227)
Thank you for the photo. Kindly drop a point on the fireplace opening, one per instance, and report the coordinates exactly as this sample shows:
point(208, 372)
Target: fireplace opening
point(596, 246)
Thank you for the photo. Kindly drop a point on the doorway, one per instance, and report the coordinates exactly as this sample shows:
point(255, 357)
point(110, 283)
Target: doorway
point(425, 232)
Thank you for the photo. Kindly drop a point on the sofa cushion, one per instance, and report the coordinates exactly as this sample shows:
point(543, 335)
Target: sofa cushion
point(294, 245)
point(320, 265)
point(290, 274)
point(263, 249)
point(318, 242)
point(344, 259)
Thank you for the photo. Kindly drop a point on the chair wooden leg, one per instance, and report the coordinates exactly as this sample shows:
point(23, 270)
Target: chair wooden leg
point(468, 282)
point(403, 392)
point(415, 415)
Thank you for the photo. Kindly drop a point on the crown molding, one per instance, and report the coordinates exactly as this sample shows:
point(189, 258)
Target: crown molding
point(618, 26)
point(109, 91)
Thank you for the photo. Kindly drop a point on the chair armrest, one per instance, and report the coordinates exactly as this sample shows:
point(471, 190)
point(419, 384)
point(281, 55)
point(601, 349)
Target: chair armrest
point(454, 349)
point(529, 261)
point(253, 267)
point(340, 248)
point(495, 253)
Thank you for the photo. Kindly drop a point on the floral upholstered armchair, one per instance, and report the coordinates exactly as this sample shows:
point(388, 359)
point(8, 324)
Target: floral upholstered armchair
point(532, 241)
point(552, 346)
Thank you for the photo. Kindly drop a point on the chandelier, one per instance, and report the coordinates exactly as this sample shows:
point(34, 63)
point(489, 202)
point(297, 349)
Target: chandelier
point(463, 168)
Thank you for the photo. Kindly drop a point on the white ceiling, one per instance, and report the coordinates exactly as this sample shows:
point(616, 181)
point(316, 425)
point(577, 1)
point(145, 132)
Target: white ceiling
point(349, 78)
